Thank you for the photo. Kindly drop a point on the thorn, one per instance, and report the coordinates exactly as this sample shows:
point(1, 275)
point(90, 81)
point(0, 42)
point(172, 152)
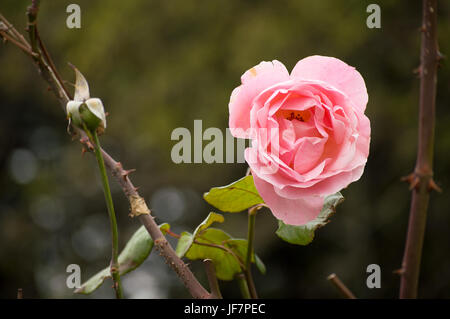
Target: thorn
point(136, 189)
point(423, 28)
point(433, 186)
point(83, 151)
point(414, 183)
point(106, 114)
point(418, 71)
point(412, 179)
point(49, 89)
point(399, 272)
point(125, 173)
point(119, 166)
point(85, 141)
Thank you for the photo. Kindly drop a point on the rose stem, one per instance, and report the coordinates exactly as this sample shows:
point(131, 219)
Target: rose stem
point(422, 178)
point(112, 215)
point(248, 262)
point(245, 292)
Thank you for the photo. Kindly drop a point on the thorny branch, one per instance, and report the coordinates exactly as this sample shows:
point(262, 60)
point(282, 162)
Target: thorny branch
point(421, 180)
point(47, 70)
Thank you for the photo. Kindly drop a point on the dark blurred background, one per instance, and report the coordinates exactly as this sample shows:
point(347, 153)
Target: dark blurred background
point(158, 65)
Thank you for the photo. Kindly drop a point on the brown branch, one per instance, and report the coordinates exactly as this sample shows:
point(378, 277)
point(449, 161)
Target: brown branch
point(32, 12)
point(115, 168)
point(17, 43)
point(422, 178)
point(334, 279)
point(50, 63)
point(44, 68)
point(15, 34)
point(212, 245)
point(212, 279)
point(161, 243)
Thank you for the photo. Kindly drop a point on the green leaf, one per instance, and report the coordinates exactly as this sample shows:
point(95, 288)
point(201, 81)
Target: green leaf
point(136, 251)
point(236, 197)
point(260, 265)
point(164, 228)
point(94, 282)
point(226, 265)
point(209, 220)
point(184, 243)
point(304, 234)
point(228, 260)
point(132, 256)
point(240, 246)
point(186, 239)
point(226, 253)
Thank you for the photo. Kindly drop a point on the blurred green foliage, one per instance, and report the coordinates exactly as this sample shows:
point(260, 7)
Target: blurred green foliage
point(158, 65)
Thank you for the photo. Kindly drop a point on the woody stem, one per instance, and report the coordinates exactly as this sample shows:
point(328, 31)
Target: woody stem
point(423, 172)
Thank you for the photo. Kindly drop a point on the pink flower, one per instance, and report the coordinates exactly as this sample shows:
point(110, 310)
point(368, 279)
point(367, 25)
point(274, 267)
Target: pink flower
point(310, 137)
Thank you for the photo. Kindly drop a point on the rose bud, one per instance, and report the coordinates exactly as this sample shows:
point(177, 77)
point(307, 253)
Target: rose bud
point(84, 110)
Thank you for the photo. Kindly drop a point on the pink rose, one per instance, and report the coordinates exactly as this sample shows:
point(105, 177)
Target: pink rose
point(310, 137)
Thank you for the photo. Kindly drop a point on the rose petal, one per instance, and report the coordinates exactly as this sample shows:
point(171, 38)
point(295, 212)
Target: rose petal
point(254, 81)
point(309, 151)
point(326, 186)
point(72, 110)
point(291, 211)
point(336, 73)
point(95, 105)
